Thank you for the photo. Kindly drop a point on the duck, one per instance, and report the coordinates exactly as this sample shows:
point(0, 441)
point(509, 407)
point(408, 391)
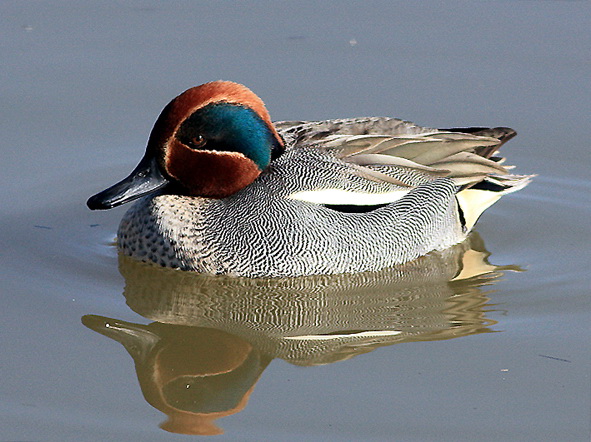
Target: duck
point(221, 189)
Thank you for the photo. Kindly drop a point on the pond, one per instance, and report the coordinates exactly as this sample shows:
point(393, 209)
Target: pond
point(488, 340)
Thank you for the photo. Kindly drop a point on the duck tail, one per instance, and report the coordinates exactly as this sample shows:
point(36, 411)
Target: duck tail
point(474, 200)
point(475, 197)
point(503, 134)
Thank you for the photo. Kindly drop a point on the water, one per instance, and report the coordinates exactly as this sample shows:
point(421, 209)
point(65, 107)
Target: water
point(500, 356)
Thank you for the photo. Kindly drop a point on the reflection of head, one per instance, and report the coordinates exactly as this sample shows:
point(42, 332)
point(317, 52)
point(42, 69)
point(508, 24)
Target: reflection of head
point(194, 375)
point(192, 423)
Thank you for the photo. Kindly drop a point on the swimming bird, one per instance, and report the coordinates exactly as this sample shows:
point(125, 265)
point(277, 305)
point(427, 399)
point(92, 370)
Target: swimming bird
point(224, 190)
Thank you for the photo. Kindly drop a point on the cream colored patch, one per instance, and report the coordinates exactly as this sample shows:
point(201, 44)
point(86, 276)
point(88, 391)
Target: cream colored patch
point(346, 197)
point(474, 264)
point(473, 202)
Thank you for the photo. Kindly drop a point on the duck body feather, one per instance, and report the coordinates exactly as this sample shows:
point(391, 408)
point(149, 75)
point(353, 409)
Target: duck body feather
point(345, 196)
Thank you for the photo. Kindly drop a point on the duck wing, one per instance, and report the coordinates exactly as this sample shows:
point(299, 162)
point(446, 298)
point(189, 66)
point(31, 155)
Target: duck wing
point(401, 156)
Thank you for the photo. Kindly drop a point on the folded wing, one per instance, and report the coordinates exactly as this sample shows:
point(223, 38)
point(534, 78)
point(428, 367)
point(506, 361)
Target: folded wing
point(398, 156)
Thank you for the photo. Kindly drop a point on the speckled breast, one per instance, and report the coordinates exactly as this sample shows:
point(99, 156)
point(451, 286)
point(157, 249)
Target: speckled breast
point(270, 236)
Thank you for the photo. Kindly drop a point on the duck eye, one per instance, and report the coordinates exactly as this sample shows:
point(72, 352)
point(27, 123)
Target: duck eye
point(196, 142)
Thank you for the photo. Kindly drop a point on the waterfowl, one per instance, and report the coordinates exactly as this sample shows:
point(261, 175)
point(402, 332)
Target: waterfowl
point(226, 191)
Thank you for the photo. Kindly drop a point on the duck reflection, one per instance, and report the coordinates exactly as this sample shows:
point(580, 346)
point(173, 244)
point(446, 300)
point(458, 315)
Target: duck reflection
point(213, 336)
point(195, 375)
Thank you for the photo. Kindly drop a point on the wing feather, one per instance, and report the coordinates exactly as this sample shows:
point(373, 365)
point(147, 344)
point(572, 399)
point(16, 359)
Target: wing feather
point(397, 155)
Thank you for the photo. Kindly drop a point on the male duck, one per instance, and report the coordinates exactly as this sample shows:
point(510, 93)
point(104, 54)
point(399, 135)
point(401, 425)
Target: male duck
point(232, 193)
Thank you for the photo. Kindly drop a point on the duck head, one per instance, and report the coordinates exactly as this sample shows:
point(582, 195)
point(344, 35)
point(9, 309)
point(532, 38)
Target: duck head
point(210, 141)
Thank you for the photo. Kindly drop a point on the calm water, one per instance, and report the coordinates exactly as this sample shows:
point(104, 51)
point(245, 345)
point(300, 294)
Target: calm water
point(489, 340)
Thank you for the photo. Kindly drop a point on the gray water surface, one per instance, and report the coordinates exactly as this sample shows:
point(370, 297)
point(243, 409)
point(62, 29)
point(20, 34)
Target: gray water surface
point(94, 348)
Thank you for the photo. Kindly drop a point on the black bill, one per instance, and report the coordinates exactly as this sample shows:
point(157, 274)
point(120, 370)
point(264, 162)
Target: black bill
point(146, 178)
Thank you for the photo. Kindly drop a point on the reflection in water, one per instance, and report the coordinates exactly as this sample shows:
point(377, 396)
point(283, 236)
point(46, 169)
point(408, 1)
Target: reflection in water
point(193, 374)
point(214, 335)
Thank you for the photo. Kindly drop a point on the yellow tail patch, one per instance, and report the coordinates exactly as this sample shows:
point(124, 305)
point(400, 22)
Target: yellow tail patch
point(474, 201)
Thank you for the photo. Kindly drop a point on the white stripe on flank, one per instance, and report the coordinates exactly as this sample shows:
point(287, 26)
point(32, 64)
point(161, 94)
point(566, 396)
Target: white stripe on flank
point(346, 197)
point(367, 334)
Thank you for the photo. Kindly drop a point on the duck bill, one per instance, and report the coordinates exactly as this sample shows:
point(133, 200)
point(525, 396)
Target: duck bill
point(137, 339)
point(146, 178)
